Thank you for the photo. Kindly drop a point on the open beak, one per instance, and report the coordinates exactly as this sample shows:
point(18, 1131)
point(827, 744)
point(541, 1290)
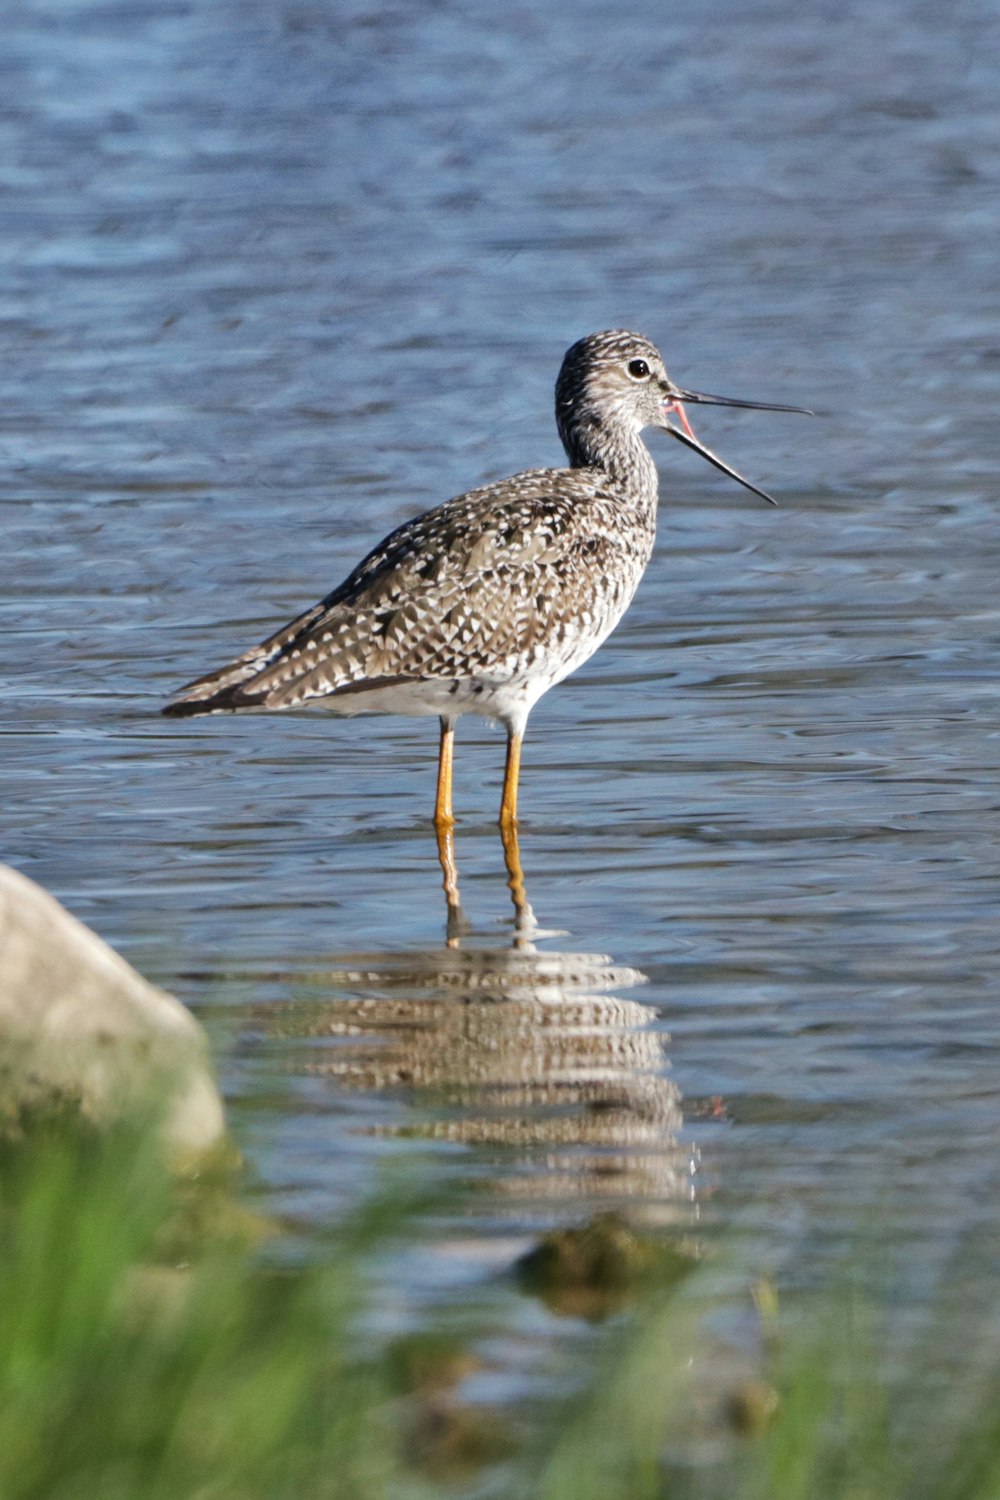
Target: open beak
point(673, 405)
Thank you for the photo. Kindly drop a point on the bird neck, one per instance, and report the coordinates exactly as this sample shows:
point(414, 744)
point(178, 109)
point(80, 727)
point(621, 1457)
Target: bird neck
point(593, 443)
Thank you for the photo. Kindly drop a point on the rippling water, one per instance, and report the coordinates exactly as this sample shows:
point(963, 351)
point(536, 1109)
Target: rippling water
point(274, 277)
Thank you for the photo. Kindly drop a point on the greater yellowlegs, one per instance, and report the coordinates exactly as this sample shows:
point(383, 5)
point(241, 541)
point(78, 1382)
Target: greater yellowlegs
point(482, 604)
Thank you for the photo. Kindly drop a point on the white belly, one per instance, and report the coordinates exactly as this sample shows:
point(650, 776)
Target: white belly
point(507, 702)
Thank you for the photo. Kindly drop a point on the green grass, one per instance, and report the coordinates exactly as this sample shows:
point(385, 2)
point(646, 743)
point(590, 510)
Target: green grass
point(126, 1372)
point(149, 1351)
point(839, 1408)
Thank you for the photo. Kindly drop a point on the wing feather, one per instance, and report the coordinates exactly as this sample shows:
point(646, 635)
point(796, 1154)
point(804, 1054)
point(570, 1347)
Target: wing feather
point(470, 588)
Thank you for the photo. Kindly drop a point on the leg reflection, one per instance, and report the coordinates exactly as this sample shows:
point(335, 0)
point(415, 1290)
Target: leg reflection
point(524, 917)
point(457, 923)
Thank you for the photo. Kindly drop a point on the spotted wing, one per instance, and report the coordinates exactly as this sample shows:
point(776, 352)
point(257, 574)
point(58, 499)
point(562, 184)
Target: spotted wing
point(473, 589)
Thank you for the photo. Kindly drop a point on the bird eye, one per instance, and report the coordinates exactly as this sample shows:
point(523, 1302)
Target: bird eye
point(638, 369)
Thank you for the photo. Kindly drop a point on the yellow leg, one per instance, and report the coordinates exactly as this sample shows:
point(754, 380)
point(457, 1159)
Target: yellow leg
point(443, 815)
point(511, 775)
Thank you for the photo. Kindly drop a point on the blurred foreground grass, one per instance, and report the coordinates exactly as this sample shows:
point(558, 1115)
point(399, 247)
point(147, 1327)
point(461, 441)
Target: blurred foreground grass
point(149, 1351)
point(145, 1351)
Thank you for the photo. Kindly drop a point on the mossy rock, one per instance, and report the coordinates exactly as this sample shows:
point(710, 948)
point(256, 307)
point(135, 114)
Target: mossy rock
point(590, 1270)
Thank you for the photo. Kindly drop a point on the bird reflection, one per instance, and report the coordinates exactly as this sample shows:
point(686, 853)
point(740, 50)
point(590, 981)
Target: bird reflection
point(517, 1048)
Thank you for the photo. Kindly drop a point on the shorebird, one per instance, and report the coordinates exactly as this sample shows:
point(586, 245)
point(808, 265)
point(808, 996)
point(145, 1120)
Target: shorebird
point(482, 604)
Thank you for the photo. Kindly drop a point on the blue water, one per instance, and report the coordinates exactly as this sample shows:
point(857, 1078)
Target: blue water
point(274, 277)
